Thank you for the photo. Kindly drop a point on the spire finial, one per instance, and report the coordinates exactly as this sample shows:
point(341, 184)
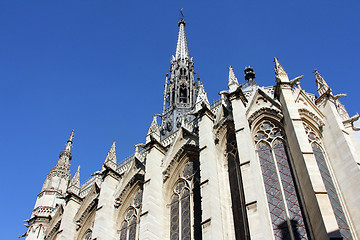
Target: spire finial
point(280, 74)
point(321, 84)
point(69, 142)
point(233, 83)
point(182, 51)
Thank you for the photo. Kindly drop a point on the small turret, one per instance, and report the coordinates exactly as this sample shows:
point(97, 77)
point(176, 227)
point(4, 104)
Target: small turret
point(249, 74)
point(52, 193)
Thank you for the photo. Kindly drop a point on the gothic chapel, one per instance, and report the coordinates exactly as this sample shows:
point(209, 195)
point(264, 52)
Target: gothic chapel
point(264, 163)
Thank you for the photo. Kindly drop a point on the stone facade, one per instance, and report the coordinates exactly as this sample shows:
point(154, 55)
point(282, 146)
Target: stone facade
point(260, 163)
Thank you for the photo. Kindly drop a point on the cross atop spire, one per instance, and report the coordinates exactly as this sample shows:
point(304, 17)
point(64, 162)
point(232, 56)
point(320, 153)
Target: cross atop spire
point(182, 51)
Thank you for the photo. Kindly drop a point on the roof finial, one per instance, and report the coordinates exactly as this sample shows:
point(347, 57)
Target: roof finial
point(181, 12)
point(154, 130)
point(111, 156)
point(321, 84)
point(280, 74)
point(201, 97)
point(233, 83)
point(74, 186)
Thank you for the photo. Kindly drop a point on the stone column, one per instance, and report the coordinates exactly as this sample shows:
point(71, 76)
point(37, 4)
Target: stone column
point(104, 224)
point(345, 161)
point(255, 199)
point(68, 226)
point(316, 200)
point(152, 216)
point(212, 227)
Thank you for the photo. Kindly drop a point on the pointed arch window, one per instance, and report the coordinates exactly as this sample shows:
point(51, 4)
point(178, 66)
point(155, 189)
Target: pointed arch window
point(236, 189)
point(328, 180)
point(129, 226)
point(183, 94)
point(283, 199)
point(183, 205)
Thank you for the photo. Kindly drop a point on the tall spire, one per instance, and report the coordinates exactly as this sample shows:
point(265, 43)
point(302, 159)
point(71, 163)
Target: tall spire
point(233, 82)
point(180, 87)
point(182, 51)
point(280, 74)
point(321, 84)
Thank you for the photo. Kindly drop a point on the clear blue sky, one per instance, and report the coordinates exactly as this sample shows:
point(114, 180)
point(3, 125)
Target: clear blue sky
point(99, 67)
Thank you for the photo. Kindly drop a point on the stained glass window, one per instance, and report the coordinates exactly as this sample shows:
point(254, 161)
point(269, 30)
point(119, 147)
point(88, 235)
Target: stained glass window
point(128, 230)
point(180, 209)
point(236, 189)
point(329, 183)
point(283, 200)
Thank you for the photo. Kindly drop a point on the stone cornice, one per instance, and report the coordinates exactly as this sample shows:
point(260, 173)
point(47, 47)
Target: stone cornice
point(155, 143)
point(281, 85)
point(237, 94)
point(325, 96)
point(110, 171)
point(72, 196)
point(205, 111)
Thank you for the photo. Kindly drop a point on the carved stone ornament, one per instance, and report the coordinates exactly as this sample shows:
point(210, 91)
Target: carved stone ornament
point(311, 116)
point(267, 111)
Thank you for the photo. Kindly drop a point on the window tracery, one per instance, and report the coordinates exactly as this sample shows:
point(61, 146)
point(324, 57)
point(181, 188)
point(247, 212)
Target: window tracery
point(283, 200)
point(129, 226)
point(327, 178)
point(180, 206)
